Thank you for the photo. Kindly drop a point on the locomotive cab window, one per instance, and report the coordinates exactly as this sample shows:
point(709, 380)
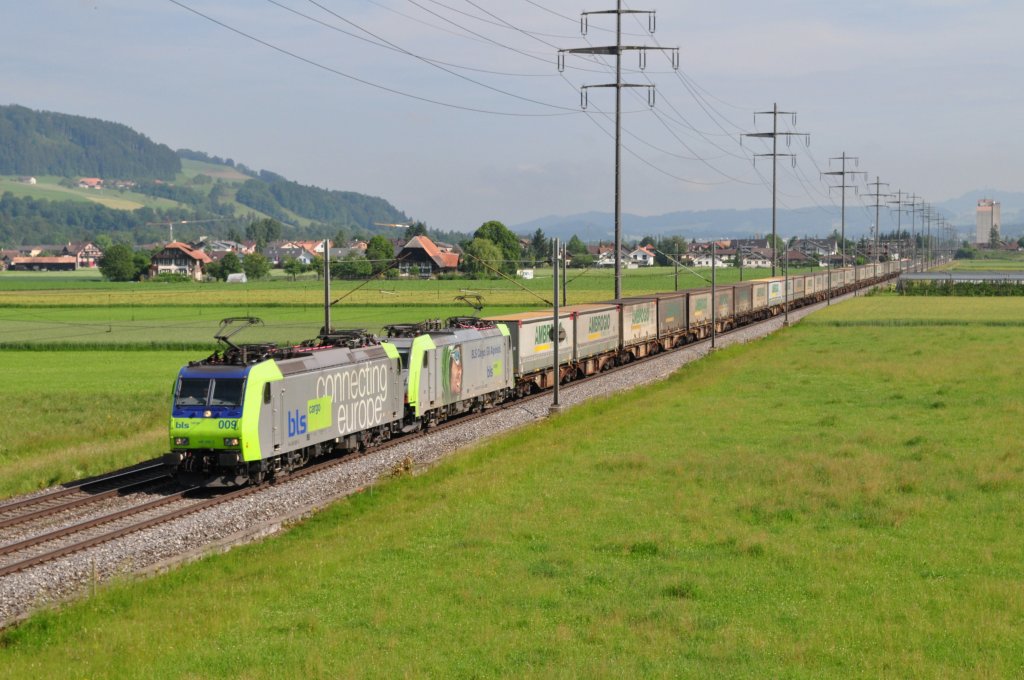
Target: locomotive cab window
point(227, 392)
point(192, 392)
point(266, 393)
point(207, 392)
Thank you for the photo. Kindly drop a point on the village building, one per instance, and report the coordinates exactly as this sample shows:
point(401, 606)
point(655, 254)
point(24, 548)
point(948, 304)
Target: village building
point(181, 259)
point(604, 255)
point(756, 257)
point(90, 183)
point(6, 256)
point(422, 257)
point(819, 249)
point(705, 260)
point(643, 256)
point(44, 263)
point(87, 254)
point(278, 255)
point(315, 247)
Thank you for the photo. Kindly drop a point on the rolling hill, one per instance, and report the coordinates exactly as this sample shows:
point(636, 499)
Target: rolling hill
point(147, 185)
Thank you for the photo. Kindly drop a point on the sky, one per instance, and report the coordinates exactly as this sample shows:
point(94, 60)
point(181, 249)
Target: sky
point(457, 113)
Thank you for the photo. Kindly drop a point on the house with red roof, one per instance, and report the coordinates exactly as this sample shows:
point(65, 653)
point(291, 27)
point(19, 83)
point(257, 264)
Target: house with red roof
point(422, 257)
point(179, 258)
point(44, 264)
point(87, 253)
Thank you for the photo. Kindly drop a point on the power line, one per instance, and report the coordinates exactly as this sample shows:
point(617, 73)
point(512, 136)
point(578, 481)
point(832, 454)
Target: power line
point(363, 81)
point(877, 195)
point(843, 186)
point(774, 155)
point(616, 51)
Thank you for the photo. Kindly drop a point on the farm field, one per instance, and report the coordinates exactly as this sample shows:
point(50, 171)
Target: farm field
point(48, 188)
point(1009, 262)
point(156, 327)
point(69, 415)
point(834, 501)
point(43, 289)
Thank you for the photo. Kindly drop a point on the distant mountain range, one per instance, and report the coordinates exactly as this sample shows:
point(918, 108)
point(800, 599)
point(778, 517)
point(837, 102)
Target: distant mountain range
point(757, 222)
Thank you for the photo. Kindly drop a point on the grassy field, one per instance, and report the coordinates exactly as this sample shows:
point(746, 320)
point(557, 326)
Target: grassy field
point(48, 188)
point(835, 501)
point(989, 262)
point(69, 415)
point(46, 289)
point(134, 327)
point(191, 168)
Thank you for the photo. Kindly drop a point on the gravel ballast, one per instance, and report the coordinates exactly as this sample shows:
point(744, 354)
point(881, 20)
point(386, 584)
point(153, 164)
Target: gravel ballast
point(274, 507)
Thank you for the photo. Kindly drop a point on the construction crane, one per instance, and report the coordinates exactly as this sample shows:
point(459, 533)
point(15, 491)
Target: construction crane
point(170, 224)
point(401, 225)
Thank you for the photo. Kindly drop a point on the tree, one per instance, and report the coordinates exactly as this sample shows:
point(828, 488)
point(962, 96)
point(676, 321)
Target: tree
point(352, 266)
point(414, 230)
point(316, 265)
point(263, 232)
point(215, 271)
point(478, 252)
point(230, 264)
point(540, 246)
point(380, 252)
point(255, 266)
point(103, 241)
point(142, 260)
point(576, 246)
point(506, 241)
point(582, 261)
point(293, 267)
point(118, 263)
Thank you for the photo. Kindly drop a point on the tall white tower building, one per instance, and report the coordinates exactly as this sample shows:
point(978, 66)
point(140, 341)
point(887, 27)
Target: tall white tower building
point(987, 219)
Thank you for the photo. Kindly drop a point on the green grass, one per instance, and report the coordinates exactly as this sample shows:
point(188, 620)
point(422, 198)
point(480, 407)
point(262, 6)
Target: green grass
point(191, 168)
point(48, 188)
point(145, 325)
point(20, 289)
point(69, 415)
point(831, 502)
point(989, 261)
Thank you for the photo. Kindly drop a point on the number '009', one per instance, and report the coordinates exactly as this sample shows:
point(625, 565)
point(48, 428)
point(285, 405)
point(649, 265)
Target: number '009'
point(227, 424)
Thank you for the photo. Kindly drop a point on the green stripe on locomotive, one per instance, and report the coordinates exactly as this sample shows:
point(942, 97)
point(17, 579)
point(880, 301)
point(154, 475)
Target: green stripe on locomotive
point(420, 345)
point(260, 375)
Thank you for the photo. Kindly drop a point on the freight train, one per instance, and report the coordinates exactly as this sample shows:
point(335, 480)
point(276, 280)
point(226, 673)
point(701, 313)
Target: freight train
point(249, 413)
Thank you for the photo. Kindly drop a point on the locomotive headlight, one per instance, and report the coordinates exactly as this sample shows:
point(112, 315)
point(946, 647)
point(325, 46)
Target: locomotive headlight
point(181, 441)
point(230, 441)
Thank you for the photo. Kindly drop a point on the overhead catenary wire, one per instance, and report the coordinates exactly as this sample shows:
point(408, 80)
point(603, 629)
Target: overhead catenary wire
point(363, 81)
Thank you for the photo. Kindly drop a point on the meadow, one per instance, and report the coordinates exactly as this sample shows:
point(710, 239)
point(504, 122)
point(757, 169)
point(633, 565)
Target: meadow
point(49, 188)
point(69, 415)
point(834, 501)
point(988, 261)
point(40, 289)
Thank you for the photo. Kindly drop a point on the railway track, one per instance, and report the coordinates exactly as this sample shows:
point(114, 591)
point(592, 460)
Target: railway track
point(77, 495)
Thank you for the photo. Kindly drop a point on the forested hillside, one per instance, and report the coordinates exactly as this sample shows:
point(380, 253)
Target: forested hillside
point(273, 195)
point(147, 186)
point(46, 143)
